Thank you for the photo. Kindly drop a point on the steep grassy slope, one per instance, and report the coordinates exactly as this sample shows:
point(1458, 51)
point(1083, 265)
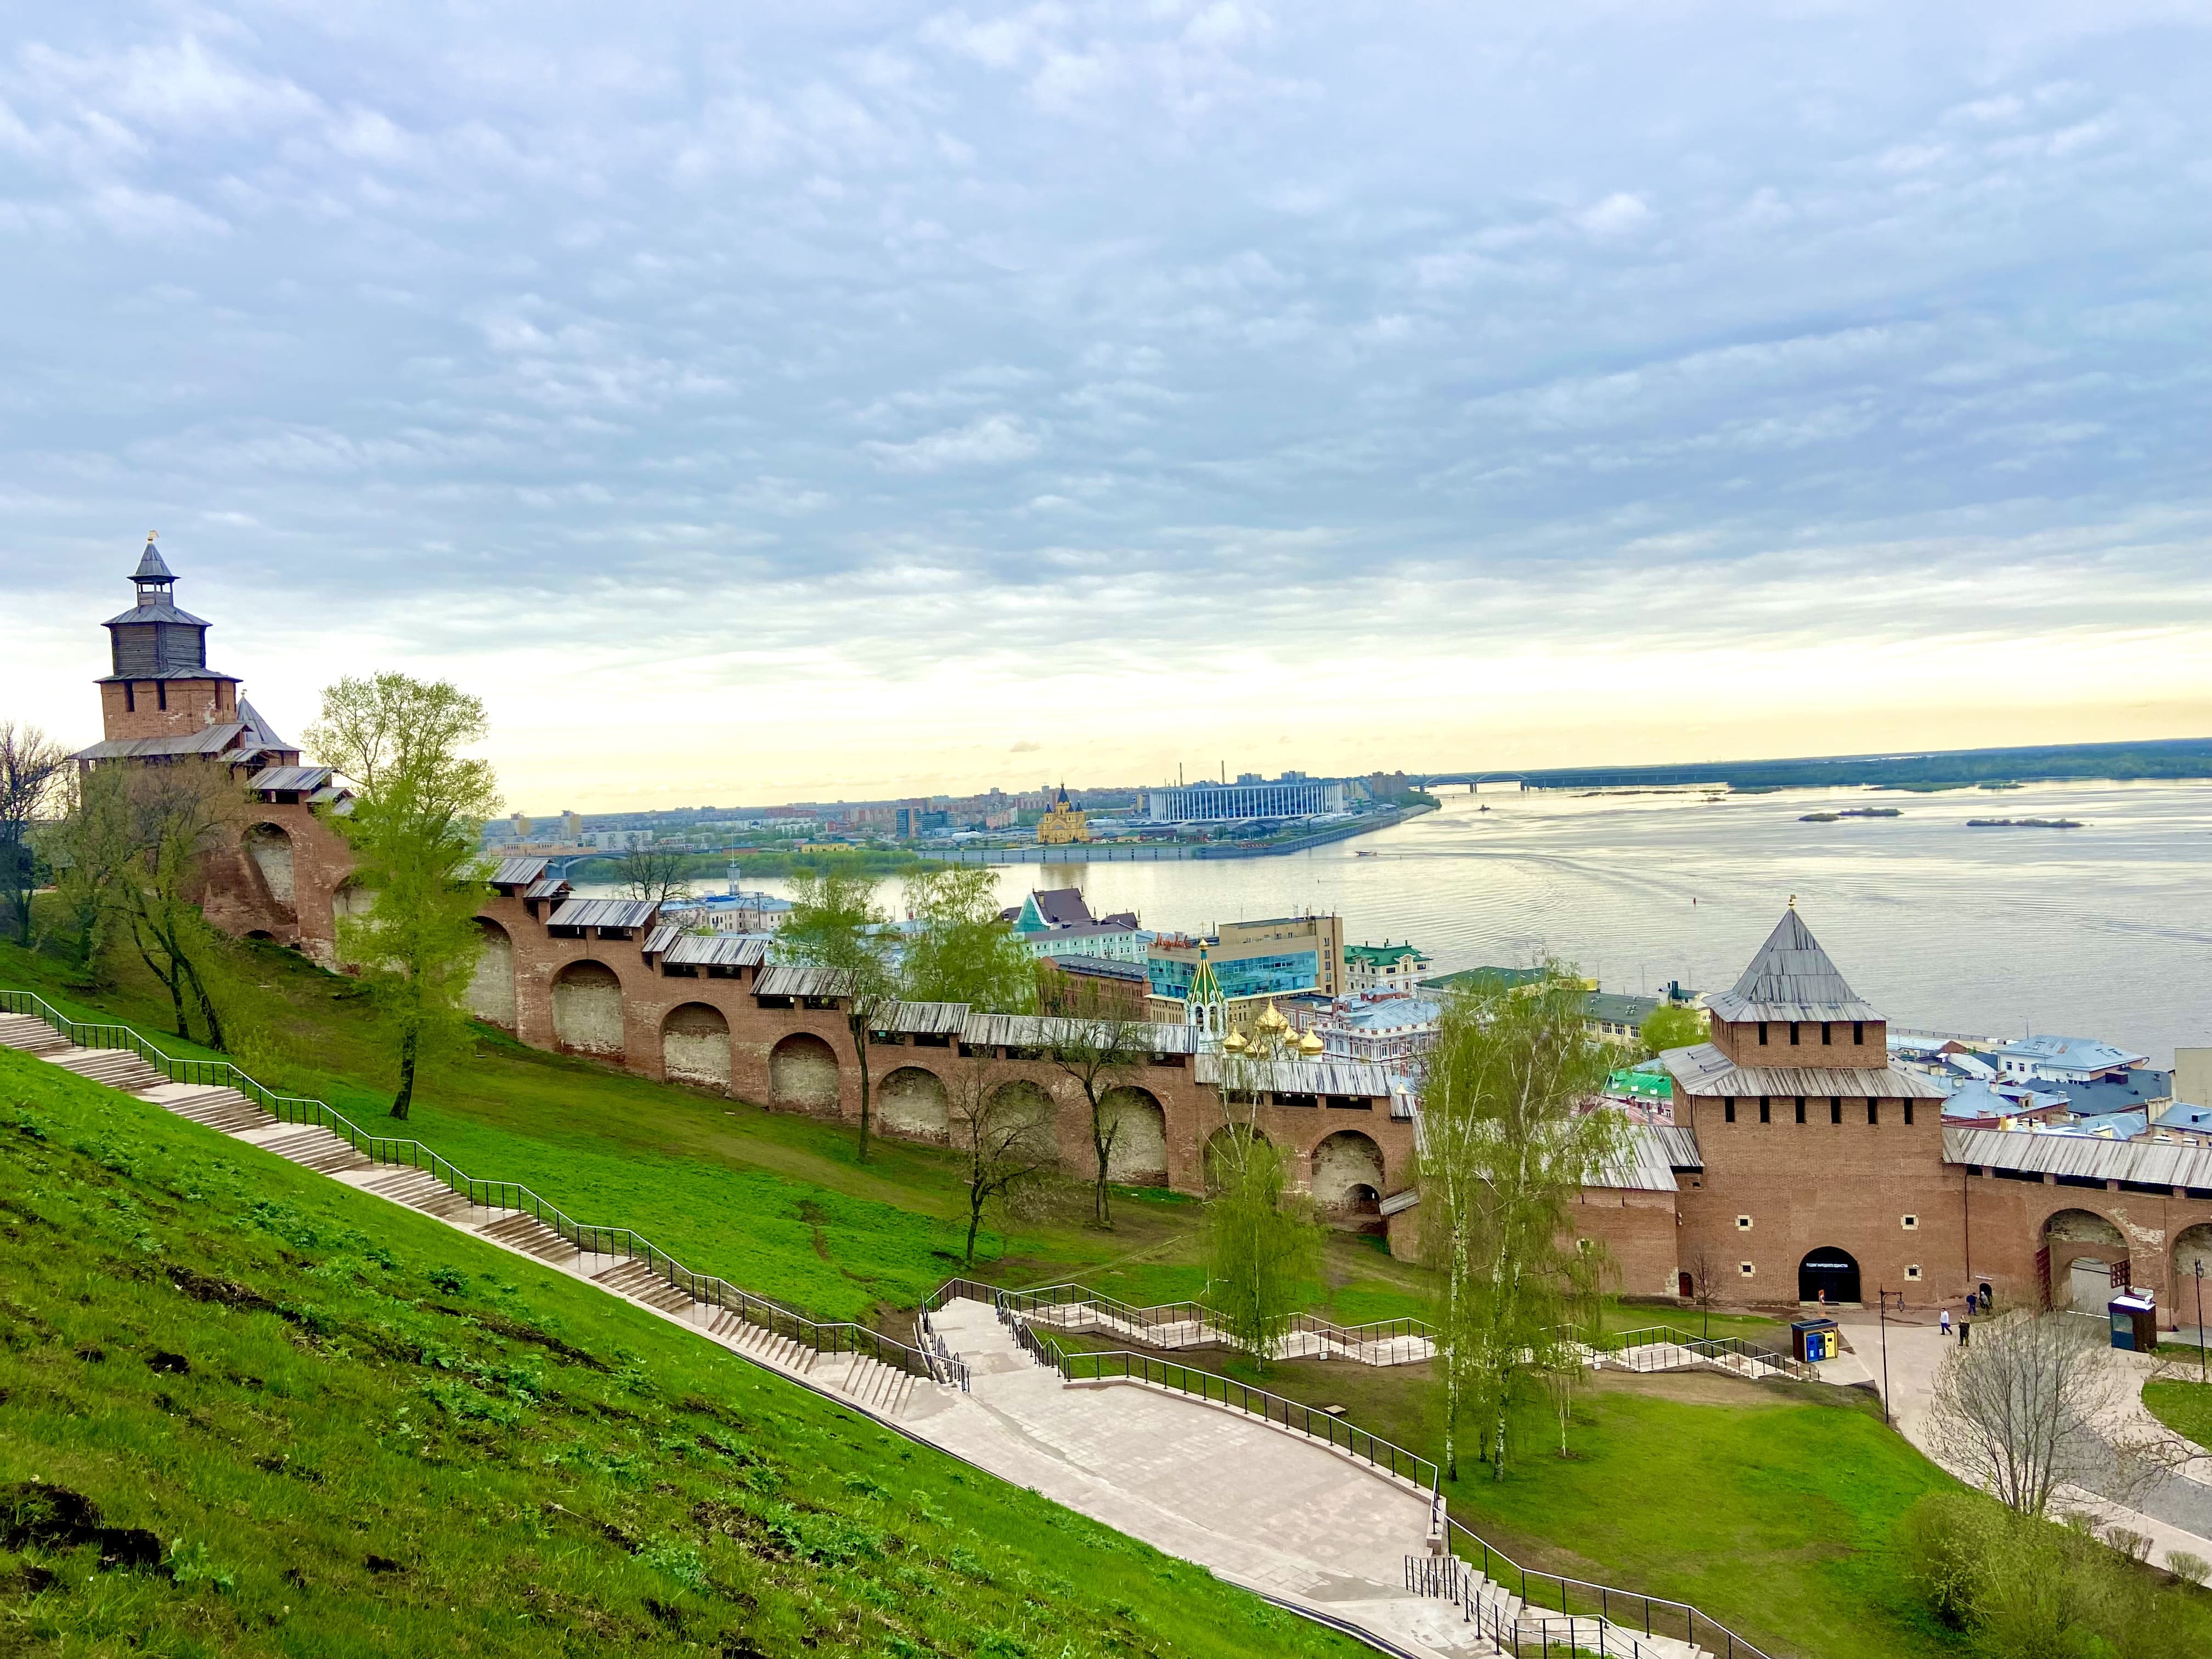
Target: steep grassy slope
point(244, 1409)
point(771, 1200)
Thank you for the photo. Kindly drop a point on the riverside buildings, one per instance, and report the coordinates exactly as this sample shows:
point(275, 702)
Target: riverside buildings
point(1293, 795)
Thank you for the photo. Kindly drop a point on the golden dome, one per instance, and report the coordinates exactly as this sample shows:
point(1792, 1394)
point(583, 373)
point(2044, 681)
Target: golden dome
point(1311, 1044)
point(1271, 1020)
point(1233, 1043)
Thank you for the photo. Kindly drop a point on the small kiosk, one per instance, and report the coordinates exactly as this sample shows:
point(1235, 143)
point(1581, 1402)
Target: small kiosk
point(2135, 1322)
point(1815, 1340)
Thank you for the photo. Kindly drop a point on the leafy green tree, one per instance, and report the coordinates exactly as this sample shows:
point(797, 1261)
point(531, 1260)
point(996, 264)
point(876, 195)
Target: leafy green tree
point(962, 950)
point(1507, 1144)
point(416, 818)
point(1671, 1025)
point(834, 923)
point(1262, 1241)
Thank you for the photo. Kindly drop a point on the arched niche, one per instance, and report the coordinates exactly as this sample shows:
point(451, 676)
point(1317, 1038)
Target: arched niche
point(269, 848)
point(802, 1074)
point(695, 1046)
point(1140, 1125)
point(492, 987)
point(588, 1009)
point(1347, 1176)
point(911, 1101)
point(2083, 1248)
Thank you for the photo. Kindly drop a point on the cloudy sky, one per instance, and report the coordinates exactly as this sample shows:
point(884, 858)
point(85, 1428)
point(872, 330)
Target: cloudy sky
point(767, 402)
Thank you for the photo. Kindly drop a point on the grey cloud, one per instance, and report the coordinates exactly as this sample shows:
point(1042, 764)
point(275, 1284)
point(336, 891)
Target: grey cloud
point(1094, 332)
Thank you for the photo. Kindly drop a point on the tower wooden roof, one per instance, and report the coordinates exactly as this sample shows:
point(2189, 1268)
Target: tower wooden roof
point(1791, 978)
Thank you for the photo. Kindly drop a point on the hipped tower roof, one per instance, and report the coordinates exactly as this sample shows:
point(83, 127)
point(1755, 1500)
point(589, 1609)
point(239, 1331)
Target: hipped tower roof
point(1791, 978)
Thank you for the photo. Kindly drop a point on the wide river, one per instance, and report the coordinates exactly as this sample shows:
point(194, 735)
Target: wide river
point(2105, 931)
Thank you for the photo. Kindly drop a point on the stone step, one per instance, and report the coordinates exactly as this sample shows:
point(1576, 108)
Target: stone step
point(520, 1230)
point(633, 1279)
point(218, 1109)
point(117, 1068)
point(30, 1034)
point(419, 1190)
point(317, 1149)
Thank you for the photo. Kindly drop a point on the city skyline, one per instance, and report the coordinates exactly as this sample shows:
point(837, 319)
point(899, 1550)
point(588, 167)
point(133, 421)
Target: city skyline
point(893, 401)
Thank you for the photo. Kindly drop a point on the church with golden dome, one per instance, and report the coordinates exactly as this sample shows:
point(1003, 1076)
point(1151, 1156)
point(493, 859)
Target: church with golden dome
point(1062, 825)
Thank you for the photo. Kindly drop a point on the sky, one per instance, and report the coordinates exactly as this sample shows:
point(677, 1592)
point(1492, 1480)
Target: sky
point(761, 402)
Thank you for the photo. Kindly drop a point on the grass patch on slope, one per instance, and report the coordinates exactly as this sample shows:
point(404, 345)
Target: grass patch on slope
point(249, 1410)
point(775, 1202)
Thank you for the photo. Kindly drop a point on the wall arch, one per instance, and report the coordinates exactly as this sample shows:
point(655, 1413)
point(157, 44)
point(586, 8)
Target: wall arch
point(1028, 1101)
point(1347, 1176)
point(802, 1074)
point(911, 1101)
point(1828, 1273)
point(2083, 1248)
point(492, 987)
point(1139, 1123)
point(695, 1046)
point(588, 1009)
point(2192, 1247)
point(269, 846)
point(1222, 1146)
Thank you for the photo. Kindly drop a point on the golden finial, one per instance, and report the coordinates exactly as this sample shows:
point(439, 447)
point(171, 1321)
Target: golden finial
point(152, 535)
point(1793, 900)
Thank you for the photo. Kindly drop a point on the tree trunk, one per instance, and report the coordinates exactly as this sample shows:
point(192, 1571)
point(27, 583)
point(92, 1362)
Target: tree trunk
point(1102, 1142)
point(207, 1015)
point(974, 1223)
point(859, 1031)
point(172, 980)
point(406, 1095)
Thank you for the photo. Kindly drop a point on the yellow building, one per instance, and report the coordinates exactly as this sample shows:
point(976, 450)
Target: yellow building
point(1062, 825)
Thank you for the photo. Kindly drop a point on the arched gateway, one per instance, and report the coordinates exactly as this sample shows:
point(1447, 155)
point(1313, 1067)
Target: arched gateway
point(1828, 1274)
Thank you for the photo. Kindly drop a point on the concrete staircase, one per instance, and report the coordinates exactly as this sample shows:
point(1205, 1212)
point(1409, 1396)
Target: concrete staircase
point(881, 1389)
point(1500, 1622)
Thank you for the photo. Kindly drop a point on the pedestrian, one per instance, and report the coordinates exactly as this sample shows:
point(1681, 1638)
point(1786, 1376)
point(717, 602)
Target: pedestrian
point(1965, 1329)
point(1945, 1323)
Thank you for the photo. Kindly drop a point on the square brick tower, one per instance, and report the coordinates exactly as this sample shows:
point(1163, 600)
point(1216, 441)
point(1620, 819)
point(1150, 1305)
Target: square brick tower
point(160, 685)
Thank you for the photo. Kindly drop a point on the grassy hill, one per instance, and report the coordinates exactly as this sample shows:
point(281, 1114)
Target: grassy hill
point(249, 1410)
point(773, 1201)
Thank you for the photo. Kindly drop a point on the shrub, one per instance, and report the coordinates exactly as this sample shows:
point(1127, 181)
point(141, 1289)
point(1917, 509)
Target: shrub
point(1945, 1543)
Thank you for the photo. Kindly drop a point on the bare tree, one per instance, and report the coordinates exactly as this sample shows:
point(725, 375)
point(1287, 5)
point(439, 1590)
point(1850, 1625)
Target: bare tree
point(31, 777)
point(1704, 1284)
point(653, 872)
point(1004, 1147)
point(134, 844)
point(1099, 1049)
point(2017, 1410)
point(834, 923)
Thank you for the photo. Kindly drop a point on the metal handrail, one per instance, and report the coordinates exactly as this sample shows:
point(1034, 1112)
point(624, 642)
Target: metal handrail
point(1382, 1455)
point(1108, 1309)
point(1711, 1347)
point(589, 1238)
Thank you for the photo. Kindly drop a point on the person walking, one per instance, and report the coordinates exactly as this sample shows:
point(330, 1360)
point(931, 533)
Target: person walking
point(1945, 1323)
point(1966, 1330)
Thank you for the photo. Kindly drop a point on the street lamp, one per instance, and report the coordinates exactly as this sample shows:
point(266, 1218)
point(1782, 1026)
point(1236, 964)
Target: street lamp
point(2198, 1274)
point(1883, 1315)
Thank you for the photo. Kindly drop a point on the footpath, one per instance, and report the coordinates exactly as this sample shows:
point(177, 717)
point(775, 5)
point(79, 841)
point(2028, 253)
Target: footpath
point(2171, 1506)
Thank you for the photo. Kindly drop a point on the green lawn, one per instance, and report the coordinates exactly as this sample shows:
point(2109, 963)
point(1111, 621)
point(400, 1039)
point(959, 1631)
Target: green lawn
point(252, 1410)
point(2184, 1407)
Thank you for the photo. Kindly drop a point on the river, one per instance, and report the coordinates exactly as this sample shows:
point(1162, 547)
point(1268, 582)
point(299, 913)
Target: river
point(2105, 931)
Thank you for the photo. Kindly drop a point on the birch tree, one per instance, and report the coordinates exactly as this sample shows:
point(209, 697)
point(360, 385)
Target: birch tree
point(1508, 1138)
point(415, 824)
point(1262, 1241)
point(1099, 1050)
point(962, 950)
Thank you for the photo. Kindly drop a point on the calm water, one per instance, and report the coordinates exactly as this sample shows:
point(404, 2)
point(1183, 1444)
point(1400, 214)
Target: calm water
point(2105, 931)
